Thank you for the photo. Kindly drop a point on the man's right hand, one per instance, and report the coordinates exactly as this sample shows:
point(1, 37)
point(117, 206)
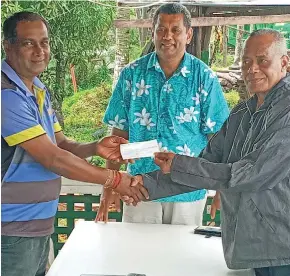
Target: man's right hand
point(108, 197)
point(131, 191)
point(137, 180)
point(128, 187)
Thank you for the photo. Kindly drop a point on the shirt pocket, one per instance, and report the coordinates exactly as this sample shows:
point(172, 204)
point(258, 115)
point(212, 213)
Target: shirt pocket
point(261, 219)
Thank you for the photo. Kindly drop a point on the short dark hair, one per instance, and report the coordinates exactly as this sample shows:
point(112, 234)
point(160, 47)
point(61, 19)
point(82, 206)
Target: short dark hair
point(10, 24)
point(173, 8)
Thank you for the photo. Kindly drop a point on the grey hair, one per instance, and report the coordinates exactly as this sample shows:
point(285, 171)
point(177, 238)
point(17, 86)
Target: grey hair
point(279, 40)
point(174, 8)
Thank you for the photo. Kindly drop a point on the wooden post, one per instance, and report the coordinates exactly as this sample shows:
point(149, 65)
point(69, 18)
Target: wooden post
point(73, 78)
point(198, 36)
point(251, 28)
point(238, 48)
point(122, 42)
point(206, 39)
point(197, 41)
point(225, 45)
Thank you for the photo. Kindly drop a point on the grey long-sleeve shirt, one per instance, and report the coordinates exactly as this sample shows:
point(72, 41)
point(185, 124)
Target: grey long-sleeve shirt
point(248, 160)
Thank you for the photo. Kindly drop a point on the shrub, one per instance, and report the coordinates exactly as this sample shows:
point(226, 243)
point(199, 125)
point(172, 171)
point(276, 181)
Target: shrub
point(83, 113)
point(92, 75)
point(232, 98)
point(218, 63)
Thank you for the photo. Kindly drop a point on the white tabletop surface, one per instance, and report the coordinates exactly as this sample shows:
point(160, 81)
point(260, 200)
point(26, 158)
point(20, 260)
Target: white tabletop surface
point(154, 250)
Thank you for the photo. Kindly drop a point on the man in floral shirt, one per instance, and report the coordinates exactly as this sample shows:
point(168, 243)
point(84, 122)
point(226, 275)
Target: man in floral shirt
point(171, 96)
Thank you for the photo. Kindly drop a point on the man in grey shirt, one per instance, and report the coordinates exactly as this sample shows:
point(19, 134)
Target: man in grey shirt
point(248, 161)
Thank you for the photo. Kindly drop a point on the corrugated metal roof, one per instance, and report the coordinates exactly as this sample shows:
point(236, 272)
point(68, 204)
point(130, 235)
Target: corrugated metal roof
point(211, 2)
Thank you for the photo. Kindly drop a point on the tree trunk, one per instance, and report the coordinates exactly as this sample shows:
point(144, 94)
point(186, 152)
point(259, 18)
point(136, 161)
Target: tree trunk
point(215, 45)
point(59, 76)
point(239, 47)
point(122, 43)
point(58, 92)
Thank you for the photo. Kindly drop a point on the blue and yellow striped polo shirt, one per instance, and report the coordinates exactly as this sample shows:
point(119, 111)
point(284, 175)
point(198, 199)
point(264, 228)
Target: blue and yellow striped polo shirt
point(30, 192)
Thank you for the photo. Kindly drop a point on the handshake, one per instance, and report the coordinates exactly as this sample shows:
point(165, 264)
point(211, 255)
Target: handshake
point(130, 189)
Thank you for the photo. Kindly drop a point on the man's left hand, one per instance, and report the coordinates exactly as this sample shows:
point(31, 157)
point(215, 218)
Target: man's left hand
point(109, 148)
point(164, 160)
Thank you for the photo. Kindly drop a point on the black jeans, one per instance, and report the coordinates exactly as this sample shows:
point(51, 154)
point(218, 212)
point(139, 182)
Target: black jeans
point(273, 271)
point(21, 256)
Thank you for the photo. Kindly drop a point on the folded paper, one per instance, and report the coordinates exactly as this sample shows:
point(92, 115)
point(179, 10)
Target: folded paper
point(139, 149)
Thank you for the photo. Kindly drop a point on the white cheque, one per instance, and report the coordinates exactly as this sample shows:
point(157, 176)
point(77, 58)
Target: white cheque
point(139, 149)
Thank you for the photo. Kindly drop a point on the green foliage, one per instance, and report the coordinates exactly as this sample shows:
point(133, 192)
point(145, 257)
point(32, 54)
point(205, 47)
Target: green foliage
point(84, 112)
point(135, 49)
point(78, 35)
point(232, 98)
point(92, 75)
point(8, 8)
point(218, 63)
point(98, 161)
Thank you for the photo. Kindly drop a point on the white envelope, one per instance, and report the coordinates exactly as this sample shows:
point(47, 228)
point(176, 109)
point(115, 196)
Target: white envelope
point(139, 149)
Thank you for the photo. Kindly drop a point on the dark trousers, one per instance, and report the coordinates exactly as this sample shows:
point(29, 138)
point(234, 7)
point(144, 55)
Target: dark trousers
point(22, 256)
point(273, 271)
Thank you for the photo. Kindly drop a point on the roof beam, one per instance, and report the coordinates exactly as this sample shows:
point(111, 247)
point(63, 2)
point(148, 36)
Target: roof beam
point(210, 21)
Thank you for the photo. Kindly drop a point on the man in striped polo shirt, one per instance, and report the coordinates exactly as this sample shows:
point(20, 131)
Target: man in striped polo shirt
point(35, 152)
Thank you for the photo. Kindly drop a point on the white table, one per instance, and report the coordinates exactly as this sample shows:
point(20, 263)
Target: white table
point(154, 250)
